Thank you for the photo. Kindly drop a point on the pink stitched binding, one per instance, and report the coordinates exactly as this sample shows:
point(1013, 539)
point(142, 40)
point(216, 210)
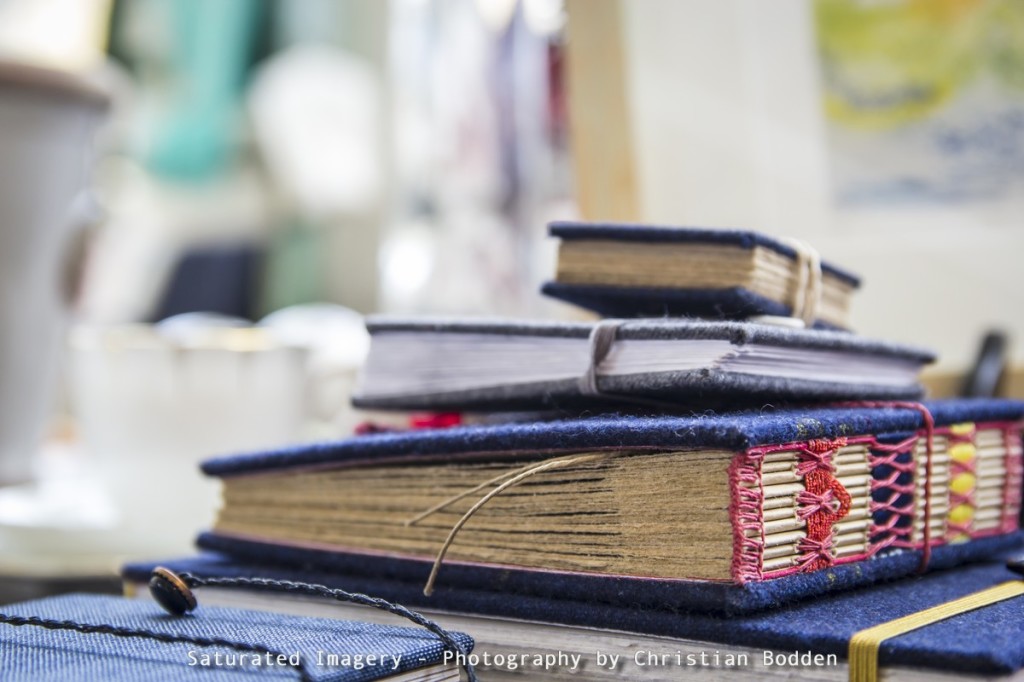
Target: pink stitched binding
point(881, 454)
point(888, 533)
point(745, 511)
point(1014, 476)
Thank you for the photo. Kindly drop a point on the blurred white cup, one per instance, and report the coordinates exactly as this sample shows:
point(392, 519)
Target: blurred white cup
point(152, 403)
point(47, 120)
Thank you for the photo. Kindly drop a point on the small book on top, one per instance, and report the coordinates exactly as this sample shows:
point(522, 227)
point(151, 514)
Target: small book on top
point(443, 364)
point(731, 512)
point(628, 270)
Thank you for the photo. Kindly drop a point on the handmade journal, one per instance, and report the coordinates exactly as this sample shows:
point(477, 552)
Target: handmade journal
point(480, 365)
point(728, 512)
point(626, 270)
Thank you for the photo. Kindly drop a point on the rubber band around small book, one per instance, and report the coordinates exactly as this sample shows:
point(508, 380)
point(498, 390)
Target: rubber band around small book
point(600, 342)
point(863, 649)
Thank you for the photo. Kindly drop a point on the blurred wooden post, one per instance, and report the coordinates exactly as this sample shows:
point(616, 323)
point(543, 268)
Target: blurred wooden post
point(606, 187)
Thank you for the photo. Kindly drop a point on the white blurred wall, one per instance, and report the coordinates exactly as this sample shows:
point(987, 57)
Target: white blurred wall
point(728, 130)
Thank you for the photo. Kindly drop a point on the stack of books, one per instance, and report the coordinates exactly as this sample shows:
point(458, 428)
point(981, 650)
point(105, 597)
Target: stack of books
point(721, 476)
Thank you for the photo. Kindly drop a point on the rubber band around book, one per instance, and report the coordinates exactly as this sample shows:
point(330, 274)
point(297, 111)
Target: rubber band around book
point(600, 342)
point(807, 293)
point(173, 591)
point(862, 653)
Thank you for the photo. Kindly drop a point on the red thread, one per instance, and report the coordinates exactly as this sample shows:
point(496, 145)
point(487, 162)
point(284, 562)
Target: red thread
point(435, 420)
point(826, 502)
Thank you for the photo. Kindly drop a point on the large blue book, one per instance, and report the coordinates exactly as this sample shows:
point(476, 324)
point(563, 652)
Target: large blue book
point(111, 638)
point(731, 513)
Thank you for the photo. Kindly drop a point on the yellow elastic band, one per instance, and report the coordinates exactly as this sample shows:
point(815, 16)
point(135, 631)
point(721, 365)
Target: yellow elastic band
point(863, 651)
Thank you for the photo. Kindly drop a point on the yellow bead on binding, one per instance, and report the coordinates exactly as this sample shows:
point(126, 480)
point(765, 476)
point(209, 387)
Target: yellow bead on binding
point(962, 452)
point(961, 514)
point(963, 483)
point(963, 429)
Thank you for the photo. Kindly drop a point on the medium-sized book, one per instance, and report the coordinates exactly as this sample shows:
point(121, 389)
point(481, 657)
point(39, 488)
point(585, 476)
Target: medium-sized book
point(95, 637)
point(556, 638)
point(732, 513)
point(628, 270)
point(443, 364)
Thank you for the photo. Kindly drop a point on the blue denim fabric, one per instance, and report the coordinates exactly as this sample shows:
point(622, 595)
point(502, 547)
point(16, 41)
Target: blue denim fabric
point(34, 653)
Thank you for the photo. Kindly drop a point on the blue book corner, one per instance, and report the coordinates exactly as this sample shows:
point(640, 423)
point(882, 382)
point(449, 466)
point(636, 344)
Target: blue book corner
point(326, 649)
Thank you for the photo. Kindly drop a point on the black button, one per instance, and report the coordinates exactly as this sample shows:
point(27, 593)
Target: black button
point(171, 592)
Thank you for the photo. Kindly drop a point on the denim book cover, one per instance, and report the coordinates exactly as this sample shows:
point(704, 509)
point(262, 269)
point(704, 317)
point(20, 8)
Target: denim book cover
point(989, 640)
point(796, 502)
point(271, 646)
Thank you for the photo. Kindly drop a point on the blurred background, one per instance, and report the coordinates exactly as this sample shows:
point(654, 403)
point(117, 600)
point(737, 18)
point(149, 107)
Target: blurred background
point(199, 199)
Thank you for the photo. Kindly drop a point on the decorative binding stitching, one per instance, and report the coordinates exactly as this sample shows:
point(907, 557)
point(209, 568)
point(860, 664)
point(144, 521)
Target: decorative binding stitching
point(1014, 475)
point(748, 529)
point(963, 482)
point(892, 515)
point(818, 472)
point(897, 526)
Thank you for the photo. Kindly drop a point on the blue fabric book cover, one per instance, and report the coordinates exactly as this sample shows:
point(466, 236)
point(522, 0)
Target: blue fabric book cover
point(989, 640)
point(730, 513)
point(631, 270)
point(263, 645)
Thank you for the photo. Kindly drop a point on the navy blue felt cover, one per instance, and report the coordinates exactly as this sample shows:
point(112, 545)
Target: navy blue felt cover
point(989, 640)
point(732, 303)
point(36, 653)
point(734, 431)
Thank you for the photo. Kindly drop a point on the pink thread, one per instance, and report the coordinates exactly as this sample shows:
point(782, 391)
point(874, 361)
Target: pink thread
point(745, 510)
point(879, 454)
point(815, 551)
point(812, 503)
point(818, 472)
point(887, 454)
point(1014, 466)
point(929, 433)
point(811, 460)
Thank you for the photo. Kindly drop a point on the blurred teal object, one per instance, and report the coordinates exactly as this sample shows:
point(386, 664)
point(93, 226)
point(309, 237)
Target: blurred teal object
point(209, 47)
